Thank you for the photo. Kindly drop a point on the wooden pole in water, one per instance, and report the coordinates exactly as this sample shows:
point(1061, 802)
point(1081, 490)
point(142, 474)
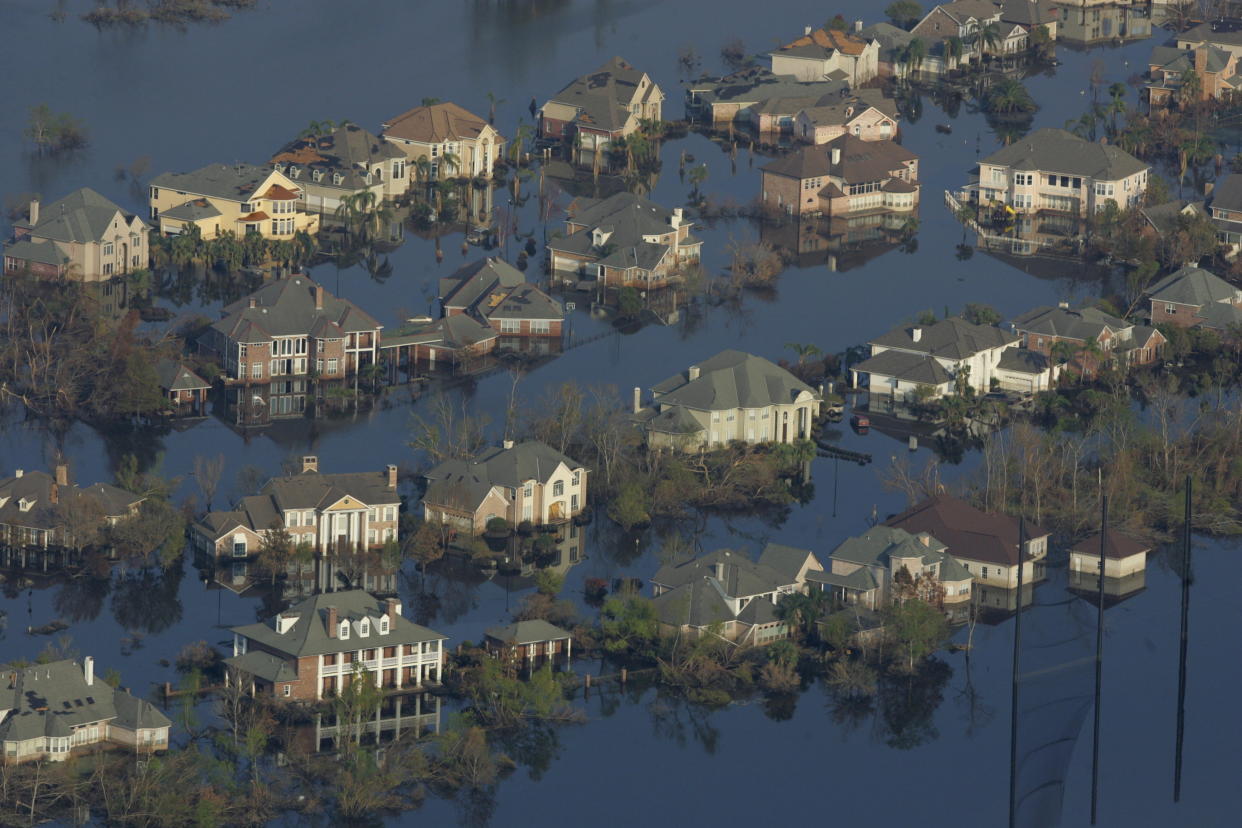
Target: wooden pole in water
point(1181, 661)
point(1099, 662)
point(1013, 703)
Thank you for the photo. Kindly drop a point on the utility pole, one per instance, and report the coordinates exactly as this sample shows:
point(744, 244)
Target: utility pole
point(1185, 640)
point(1099, 662)
point(1013, 703)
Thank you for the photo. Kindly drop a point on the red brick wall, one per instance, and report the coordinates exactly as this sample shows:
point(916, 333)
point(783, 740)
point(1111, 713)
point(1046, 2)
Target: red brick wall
point(1184, 316)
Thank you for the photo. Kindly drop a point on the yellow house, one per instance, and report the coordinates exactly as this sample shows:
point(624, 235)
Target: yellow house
point(446, 131)
point(241, 198)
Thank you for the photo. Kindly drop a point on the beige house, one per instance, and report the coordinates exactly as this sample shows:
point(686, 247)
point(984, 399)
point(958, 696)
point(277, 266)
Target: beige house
point(603, 105)
point(1123, 556)
point(828, 54)
point(240, 199)
point(867, 570)
point(347, 161)
point(83, 236)
point(733, 396)
point(529, 482)
point(42, 510)
point(446, 131)
point(821, 124)
point(845, 176)
point(1054, 170)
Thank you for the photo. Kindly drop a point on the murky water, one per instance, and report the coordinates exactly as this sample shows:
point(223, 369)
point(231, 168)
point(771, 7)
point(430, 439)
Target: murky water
point(239, 90)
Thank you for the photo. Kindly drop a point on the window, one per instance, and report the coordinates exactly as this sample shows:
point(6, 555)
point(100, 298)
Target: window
point(1023, 179)
point(344, 635)
point(540, 326)
point(1102, 189)
point(337, 178)
point(384, 631)
point(558, 488)
point(107, 269)
point(239, 548)
point(1170, 309)
point(510, 326)
point(390, 513)
point(398, 169)
point(715, 416)
point(1023, 201)
point(247, 207)
point(108, 249)
point(256, 370)
point(528, 490)
point(998, 176)
point(332, 365)
point(577, 479)
point(287, 689)
point(364, 629)
point(983, 572)
point(294, 519)
point(373, 514)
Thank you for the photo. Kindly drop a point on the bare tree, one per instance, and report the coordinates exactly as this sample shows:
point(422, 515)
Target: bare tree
point(207, 471)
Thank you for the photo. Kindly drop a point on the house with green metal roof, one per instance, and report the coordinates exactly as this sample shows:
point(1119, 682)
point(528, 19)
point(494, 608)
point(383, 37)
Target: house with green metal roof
point(315, 648)
point(49, 712)
point(883, 563)
point(733, 396)
point(82, 236)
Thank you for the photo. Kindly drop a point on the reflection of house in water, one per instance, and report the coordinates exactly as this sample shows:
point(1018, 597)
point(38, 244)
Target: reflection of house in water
point(994, 604)
point(839, 242)
point(398, 716)
point(1082, 24)
point(283, 399)
point(1087, 585)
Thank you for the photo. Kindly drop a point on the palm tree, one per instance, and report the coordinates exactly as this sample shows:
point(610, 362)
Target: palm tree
point(804, 350)
point(447, 160)
point(990, 36)
point(953, 50)
point(492, 103)
point(1117, 92)
point(422, 171)
point(1009, 97)
point(1193, 150)
point(520, 136)
point(916, 51)
point(697, 176)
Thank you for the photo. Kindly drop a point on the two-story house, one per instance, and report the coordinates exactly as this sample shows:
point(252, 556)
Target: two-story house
point(314, 649)
point(83, 237)
point(528, 482)
point(1216, 71)
point(847, 175)
point(940, 356)
point(965, 20)
point(985, 543)
point(1116, 340)
point(292, 328)
point(725, 593)
point(238, 199)
point(601, 106)
point(867, 116)
point(828, 54)
point(623, 241)
point(50, 712)
point(1222, 33)
point(868, 569)
point(328, 513)
point(1055, 170)
point(733, 396)
point(453, 141)
point(497, 294)
point(342, 164)
point(1193, 298)
point(1224, 207)
point(44, 510)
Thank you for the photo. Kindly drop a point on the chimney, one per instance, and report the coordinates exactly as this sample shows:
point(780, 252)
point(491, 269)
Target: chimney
point(926, 539)
point(916, 334)
point(310, 463)
point(638, 399)
point(392, 476)
point(677, 216)
point(55, 494)
point(836, 156)
point(88, 670)
point(318, 297)
point(718, 570)
point(858, 24)
point(693, 372)
point(62, 474)
point(332, 622)
point(19, 472)
point(251, 301)
point(1208, 187)
point(806, 31)
point(508, 444)
point(34, 211)
point(1200, 61)
point(1063, 305)
point(392, 608)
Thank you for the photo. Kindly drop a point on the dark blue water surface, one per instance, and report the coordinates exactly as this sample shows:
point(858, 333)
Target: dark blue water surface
point(237, 91)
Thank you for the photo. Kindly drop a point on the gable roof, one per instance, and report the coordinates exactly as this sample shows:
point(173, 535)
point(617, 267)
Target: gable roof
point(175, 376)
point(82, 217)
point(464, 484)
point(1023, 361)
point(860, 161)
point(527, 632)
point(50, 699)
point(953, 338)
point(823, 44)
point(1174, 60)
point(1213, 31)
point(1116, 546)
point(309, 634)
point(879, 545)
point(1192, 286)
point(739, 576)
point(231, 182)
point(526, 302)
point(903, 365)
point(627, 219)
point(1078, 324)
point(697, 603)
point(970, 533)
point(470, 282)
point(435, 124)
point(1057, 150)
point(732, 379)
point(286, 307)
point(1227, 193)
point(349, 150)
point(603, 97)
point(787, 560)
point(1163, 217)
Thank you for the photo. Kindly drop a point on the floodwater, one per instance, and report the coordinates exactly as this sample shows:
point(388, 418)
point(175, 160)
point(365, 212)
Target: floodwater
point(237, 91)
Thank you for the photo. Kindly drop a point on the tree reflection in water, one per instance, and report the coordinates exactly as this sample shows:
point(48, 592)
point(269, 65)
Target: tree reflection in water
point(674, 719)
point(81, 599)
point(145, 600)
point(908, 704)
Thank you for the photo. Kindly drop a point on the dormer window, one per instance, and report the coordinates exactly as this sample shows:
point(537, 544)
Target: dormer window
point(295, 172)
point(25, 503)
point(317, 175)
point(337, 178)
point(343, 633)
point(384, 625)
point(364, 628)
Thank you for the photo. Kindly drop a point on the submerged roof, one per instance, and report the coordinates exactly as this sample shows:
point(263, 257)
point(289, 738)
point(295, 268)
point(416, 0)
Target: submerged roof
point(1117, 546)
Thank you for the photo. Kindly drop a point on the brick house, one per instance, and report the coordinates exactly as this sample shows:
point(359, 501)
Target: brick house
point(528, 641)
point(38, 509)
point(601, 106)
point(345, 162)
point(331, 513)
point(182, 387)
point(1126, 343)
point(497, 294)
point(623, 241)
point(292, 327)
point(312, 650)
point(50, 712)
point(847, 175)
point(527, 482)
point(83, 236)
point(1192, 298)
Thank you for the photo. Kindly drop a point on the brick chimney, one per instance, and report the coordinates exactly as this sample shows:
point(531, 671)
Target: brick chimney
point(54, 494)
point(1200, 62)
point(310, 463)
point(62, 474)
point(392, 608)
point(333, 622)
point(392, 476)
point(318, 297)
point(34, 211)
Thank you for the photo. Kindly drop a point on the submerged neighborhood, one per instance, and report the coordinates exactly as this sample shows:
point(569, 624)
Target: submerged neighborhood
point(582, 456)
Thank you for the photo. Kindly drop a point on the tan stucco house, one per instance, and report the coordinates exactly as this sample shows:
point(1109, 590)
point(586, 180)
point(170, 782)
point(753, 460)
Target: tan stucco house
point(347, 161)
point(83, 236)
point(828, 54)
point(446, 130)
point(223, 198)
point(601, 106)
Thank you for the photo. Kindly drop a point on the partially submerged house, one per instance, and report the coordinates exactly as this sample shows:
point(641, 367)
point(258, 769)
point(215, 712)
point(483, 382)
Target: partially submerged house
point(624, 240)
point(50, 712)
point(83, 237)
point(1193, 298)
point(1215, 71)
point(496, 294)
point(733, 396)
point(528, 482)
point(1123, 555)
point(985, 543)
point(845, 176)
point(314, 649)
point(44, 510)
point(870, 569)
point(601, 106)
point(224, 198)
point(829, 54)
point(343, 164)
point(184, 389)
point(756, 97)
point(445, 140)
point(1116, 340)
point(528, 641)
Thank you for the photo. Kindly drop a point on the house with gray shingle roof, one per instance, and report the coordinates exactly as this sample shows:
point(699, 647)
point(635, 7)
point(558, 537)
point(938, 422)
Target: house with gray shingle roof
point(1215, 69)
point(599, 107)
point(623, 240)
point(1192, 298)
point(230, 198)
point(1042, 328)
point(49, 712)
point(183, 388)
point(528, 640)
point(82, 236)
point(328, 514)
point(345, 162)
point(936, 356)
point(528, 482)
point(733, 396)
point(496, 294)
point(872, 568)
point(1055, 170)
point(736, 96)
point(313, 649)
point(44, 510)
point(845, 176)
